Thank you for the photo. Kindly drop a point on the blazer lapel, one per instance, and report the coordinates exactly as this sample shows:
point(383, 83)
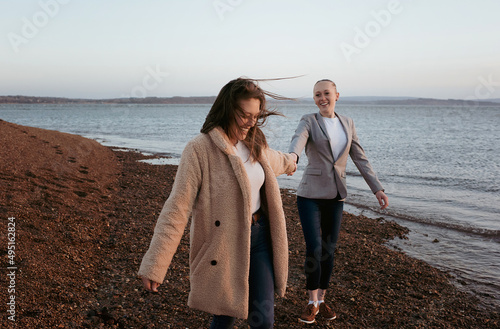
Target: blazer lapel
point(322, 126)
point(344, 124)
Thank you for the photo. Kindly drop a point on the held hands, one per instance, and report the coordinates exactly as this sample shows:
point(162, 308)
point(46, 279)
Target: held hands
point(383, 200)
point(294, 157)
point(150, 285)
point(293, 172)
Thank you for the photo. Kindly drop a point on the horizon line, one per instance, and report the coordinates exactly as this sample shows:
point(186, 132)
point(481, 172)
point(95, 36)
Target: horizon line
point(308, 98)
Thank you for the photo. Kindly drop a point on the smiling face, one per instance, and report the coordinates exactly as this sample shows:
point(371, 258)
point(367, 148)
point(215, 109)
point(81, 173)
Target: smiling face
point(246, 119)
point(325, 96)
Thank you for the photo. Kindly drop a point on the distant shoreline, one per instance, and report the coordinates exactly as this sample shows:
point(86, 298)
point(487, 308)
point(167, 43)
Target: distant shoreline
point(211, 99)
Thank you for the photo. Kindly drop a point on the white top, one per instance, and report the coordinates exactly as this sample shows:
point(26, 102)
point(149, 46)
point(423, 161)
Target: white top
point(338, 137)
point(254, 171)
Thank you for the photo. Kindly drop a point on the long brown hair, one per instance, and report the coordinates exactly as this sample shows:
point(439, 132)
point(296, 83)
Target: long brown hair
point(226, 107)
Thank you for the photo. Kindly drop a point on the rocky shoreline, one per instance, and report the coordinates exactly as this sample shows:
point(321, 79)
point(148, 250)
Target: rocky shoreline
point(84, 216)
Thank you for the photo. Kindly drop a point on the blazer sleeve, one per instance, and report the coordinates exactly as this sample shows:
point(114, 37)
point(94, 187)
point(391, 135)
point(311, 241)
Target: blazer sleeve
point(173, 217)
point(281, 163)
point(359, 158)
point(299, 139)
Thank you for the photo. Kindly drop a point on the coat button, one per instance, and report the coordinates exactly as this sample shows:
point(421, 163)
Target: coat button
point(214, 262)
point(217, 223)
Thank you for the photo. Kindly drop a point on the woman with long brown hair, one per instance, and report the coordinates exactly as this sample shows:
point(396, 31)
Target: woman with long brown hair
point(226, 180)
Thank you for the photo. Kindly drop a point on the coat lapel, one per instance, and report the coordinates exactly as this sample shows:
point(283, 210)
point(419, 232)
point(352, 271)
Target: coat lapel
point(222, 142)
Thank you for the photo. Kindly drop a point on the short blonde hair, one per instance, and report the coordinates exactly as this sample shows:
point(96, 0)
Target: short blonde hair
point(326, 80)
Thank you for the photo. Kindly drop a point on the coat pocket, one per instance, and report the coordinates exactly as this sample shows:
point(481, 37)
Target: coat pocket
point(313, 171)
point(198, 259)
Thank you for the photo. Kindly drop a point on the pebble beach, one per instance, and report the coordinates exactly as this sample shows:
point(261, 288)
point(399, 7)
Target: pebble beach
point(83, 215)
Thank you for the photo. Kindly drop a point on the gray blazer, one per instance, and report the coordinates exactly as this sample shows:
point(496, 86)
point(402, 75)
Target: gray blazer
point(324, 176)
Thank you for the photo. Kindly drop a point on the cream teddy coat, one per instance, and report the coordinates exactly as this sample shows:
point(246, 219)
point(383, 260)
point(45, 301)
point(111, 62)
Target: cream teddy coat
point(211, 185)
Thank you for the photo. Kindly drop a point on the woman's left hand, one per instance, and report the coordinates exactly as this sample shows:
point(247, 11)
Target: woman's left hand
point(150, 285)
point(383, 200)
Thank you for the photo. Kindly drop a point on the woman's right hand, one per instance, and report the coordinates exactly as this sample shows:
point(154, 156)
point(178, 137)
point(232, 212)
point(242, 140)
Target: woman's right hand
point(150, 285)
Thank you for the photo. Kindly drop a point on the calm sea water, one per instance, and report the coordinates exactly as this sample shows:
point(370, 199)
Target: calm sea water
point(440, 167)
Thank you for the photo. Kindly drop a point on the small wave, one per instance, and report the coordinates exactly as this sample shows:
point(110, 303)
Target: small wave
point(483, 232)
point(448, 182)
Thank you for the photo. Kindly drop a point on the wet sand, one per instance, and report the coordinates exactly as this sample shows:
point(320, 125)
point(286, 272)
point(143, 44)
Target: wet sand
point(84, 216)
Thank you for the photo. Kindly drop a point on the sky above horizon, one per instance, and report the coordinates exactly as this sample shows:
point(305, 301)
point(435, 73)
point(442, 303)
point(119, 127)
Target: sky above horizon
point(108, 49)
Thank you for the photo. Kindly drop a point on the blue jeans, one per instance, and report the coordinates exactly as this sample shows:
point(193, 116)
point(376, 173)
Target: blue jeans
point(320, 219)
point(261, 281)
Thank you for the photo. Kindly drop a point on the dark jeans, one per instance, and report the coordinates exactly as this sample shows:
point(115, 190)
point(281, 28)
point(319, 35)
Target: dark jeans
point(261, 282)
point(320, 219)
